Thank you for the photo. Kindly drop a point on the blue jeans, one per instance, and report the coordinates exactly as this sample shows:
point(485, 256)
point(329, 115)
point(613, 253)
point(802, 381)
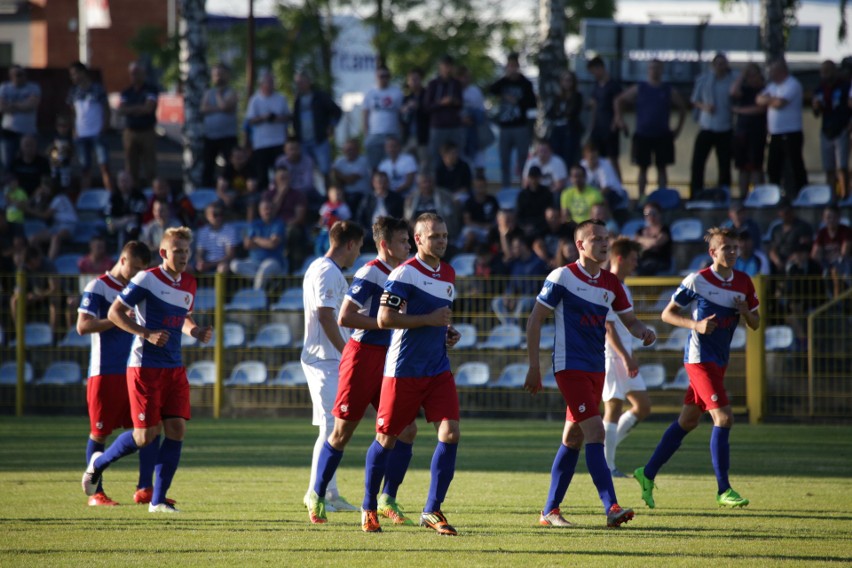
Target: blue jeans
point(87, 147)
point(10, 143)
point(321, 154)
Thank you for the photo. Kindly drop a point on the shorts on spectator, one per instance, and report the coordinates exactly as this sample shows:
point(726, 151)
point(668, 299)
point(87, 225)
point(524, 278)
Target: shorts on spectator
point(90, 146)
point(59, 227)
point(834, 152)
point(658, 150)
point(608, 145)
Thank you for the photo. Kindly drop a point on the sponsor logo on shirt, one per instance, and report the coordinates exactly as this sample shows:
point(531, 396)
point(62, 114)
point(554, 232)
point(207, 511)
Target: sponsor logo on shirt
point(450, 291)
point(356, 288)
point(86, 302)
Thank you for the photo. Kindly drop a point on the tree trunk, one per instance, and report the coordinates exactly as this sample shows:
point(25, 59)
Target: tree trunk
point(195, 78)
point(552, 61)
point(772, 28)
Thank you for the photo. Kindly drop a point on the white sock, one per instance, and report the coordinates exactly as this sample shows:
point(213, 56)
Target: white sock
point(610, 442)
point(625, 424)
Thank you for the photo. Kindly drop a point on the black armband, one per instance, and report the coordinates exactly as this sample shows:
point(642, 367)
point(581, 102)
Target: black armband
point(391, 301)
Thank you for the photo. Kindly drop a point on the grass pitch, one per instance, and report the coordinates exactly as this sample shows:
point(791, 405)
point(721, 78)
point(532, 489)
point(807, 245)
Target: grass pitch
point(241, 483)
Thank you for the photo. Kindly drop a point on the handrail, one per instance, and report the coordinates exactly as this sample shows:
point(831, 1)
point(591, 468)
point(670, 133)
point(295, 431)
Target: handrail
point(811, 364)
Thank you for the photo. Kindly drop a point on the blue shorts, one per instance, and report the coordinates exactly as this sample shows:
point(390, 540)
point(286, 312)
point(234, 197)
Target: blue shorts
point(89, 145)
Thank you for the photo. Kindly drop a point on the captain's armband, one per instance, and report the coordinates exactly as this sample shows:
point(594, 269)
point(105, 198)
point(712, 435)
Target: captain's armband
point(392, 301)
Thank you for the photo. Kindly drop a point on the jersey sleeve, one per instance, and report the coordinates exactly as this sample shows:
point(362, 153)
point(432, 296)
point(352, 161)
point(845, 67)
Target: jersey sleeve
point(551, 292)
point(621, 303)
point(91, 302)
point(397, 289)
point(134, 292)
point(361, 289)
point(751, 296)
point(685, 293)
point(326, 290)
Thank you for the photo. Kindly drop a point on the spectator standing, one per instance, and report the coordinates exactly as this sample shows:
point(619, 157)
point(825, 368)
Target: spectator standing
point(603, 131)
point(351, 171)
point(656, 241)
point(415, 118)
point(831, 100)
point(265, 245)
point(712, 98)
point(444, 100)
point(782, 98)
point(453, 173)
point(750, 132)
point(29, 167)
point(429, 199)
point(533, 201)
point(219, 109)
point(515, 98)
point(19, 100)
point(217, 242)
point(785, 237)
point(577, 200)
point(400, 168)
point(653, 141)
point(381, 202)
point(61, 153)
point(126, 207)
point(477, 130)
point(554, 172)
point(268, 114)
point(163, 218)
point(88, 102)
point(381, 116)
point(138, 106)
point(236, 187)
point(315, 117)
point(751, 260)
point(97, 261)
point(566, 128)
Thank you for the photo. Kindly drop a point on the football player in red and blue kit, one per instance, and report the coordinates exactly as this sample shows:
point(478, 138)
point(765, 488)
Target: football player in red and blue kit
point(721, 296)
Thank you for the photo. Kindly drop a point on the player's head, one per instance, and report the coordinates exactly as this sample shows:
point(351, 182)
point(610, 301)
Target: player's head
point(135, 256)
point(174, 248)
point(723, 245)
point(430, 235)
point(346, 239)
point(592, 240)
point(624, 255)
point(391, 237)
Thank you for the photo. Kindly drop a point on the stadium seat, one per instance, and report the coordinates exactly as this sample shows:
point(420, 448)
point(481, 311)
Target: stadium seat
point(548, 333)
point(93, 200)
point(205, 299)
point(308, 261)
point(676, 340)
point(468, 335)
point(779, 337)
point(188, 341)
point(813, 196)
point(631, 227)
point(846, 202)
point(290, 301)
point(201, 373)
point(84, 231)
point(74, 339)
point(291, 374)
point(698, 262)
point(472, 373)
point(548, 380)
point(654, 375)
point(246, 300)
point(463, 264)
point(9, 373)
point(507, 197)
point(62, 373)
point(680, 382)
point(513, 376)
point(738, 342)
point(359, 262)
point(504, 336)
point(202, 197)
point(710, 199)
point(665, 197)
point(767, 236)
point(67, 264)
point(637, 343)
point(36, 334)
point(689, 230)
point(235, 336)
point(247, 373)
point(663, 299)
point(33, 226)
point(273, 335)
point(763, 196)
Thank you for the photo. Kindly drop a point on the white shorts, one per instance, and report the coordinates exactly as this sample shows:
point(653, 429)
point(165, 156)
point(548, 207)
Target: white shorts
point(322, 382)
point(616, 382)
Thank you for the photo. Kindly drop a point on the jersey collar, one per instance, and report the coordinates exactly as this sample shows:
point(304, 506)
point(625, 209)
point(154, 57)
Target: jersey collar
point(426, 266)
point(583, 270)
point(719, 276)
point(117, 283)
point(165, 274)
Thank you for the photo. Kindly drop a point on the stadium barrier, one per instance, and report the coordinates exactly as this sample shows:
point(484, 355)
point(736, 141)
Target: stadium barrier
point(797, 365)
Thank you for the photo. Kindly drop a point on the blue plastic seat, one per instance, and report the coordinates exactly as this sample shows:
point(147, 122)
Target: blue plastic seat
point(202, 197)
point(763, 196)
point(472, 373)
point(248, 373)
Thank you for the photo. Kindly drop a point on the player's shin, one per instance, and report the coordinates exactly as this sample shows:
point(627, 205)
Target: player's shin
point(561, 474)
point(598, 469)
point(669, 444)
point(720, 452)
point(443, 470)
point(397, 466)
point(374, 470)
point(164, 472)
point(148, 457)
point(122, 446)
point(327, 463)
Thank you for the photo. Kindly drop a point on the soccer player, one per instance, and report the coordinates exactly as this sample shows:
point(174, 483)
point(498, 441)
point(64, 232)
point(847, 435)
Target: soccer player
point(622, 380)
point(324, 288)
point(722, 296)
point(360, 378)
point(416, 305)
point(162, 299)
point(106, 388)
point(580, 295)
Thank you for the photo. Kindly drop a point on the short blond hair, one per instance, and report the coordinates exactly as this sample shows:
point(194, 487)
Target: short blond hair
point(714, 232)
point(181, 233)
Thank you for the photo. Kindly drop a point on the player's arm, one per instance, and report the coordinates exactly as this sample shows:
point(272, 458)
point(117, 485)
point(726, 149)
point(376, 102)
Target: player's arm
point(192, 329)
point(539, 314)
point(672, 316)
point(636, 328)
point(329, 325)
point(87, 323)
point(615, 342)
point(118, 315)
point(751, 317)
point(390, 317)
point(352, 318)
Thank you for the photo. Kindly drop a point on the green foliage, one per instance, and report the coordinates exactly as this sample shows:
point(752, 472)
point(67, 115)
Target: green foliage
point(577, 10)
point(151, 42)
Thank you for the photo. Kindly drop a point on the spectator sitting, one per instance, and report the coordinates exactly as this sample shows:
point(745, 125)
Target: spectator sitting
point(97, 261)
point(499, 236)
point(219, 108)
point(382, 201)
point(566, 252)
point(802, 291)
point(516, 97)
point(751, 260)
point(399, 166)
point(300, 166)
point(525, 271)
point(59, 213)
point(236, 187)
point(88, 102)
point(546, 243)
point(42, 286)
point(554, 173)
point(380, 115)
point(29, 167)
point(19, 100)
point(333, 210)
point(600, 211)
point(11, 239)
point(315, 116)
point(61, 153)
point(351, 171)
point(291, 206)
point(739, 221)
point(125, 210)
point(217, 242)
point(139, 107)
point(479, 214)
point(452, 173)
point(265, 245)
point(601, 173)
point(162, 219)
point(268, 115)
point(833, 248)
point(533, 201)
point(786, 236)
point(831, 99)
point(429, 199)
point(656, 241)
point(16, 205)
point(182, 208)
point(576, 201)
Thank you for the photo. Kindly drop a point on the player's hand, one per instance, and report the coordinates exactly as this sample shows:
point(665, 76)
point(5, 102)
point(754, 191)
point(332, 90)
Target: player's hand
point(741, 305)
point(203, 334)
point(707, 325)
point(632, 365)
point(440, 317)
point(648, 337)
point(159, 337)
point(532, 384)
point(453, 337)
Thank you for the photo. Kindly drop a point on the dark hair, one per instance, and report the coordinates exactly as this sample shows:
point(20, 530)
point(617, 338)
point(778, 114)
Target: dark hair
point(386, 226)
point(654, 205)
point(381, 68)
point(744, 235)
point(138, 250)
point(512, 57)
point(595, 61)
point(79, 66)
point(447, 59)
point(519, 235)
point(534, 171)
point(428, 217)
point(344, 232)
point(416, 69)
point(448, 147)
point(587, 223)
point(623, 246)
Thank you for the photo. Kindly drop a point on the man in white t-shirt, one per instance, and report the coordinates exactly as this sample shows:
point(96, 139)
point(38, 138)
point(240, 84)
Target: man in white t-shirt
point(601, 173)
point(399, 166)
point(622, 380)
point(19, 100)
point(352, 172)
point(382, 106)
point(323, 289)
point(783, 99)
point(554, 173)
point(268, 114)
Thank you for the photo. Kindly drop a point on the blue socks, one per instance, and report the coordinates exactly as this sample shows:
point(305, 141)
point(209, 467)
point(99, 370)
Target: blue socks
point(92, 447)
point(720, 453)
point(329, 459)
point(165, 469)
point(668, 445)
point(124, 445)
point(601, 476)
point(561, 474)
point(374, 469)
point(398, 463)
point(147, 461)
point(443, 469)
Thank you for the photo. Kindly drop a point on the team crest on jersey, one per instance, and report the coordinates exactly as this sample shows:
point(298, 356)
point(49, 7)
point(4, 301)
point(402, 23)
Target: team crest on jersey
point(99, 425)
point(450, 291)
point(356, 288)
point(187, 299)
point(380, 421)
point(715, 398)
point(582, 408)
point(126, 291)
point(344, 408)
point(606, 296)
point(329, 293)
point(141, 417)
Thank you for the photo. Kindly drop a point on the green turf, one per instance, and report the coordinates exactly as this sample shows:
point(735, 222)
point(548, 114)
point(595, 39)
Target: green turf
point(241, 484)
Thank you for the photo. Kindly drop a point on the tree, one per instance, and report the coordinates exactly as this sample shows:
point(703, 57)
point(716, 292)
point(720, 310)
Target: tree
point(773, 33)
point(552, 61)
point(195, 78)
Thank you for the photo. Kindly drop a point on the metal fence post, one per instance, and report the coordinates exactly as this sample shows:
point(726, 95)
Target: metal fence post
point(756, 359)
point(219, 348)
point(20, 346)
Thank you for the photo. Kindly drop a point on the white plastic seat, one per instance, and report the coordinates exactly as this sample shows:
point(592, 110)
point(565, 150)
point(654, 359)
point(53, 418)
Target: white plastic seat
point(779, 337)
point(738, 342)
point(548, 334)
point(234, 333)
point(680, 382)
point(653, 374)
point(248, 373)
point(699, 261)
point(291, 374)
point(507, 197)
point(472, 373)
point(676, 340)
point(631, 227)
point(93, 200)
point(291, 300)
point(188, 341)
point(468, 335)
point(763, 196)
point(9, 373)
point(504, 336)
point(201, 373)
point(813, 196)
point(273, 335)
point(74, 339)
point(513, 376)
point(463, 264)
point(548, 380)
point(246, 300)
point(62, 373)
point(689, 230)
point(663, 299)
point(201, 197)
